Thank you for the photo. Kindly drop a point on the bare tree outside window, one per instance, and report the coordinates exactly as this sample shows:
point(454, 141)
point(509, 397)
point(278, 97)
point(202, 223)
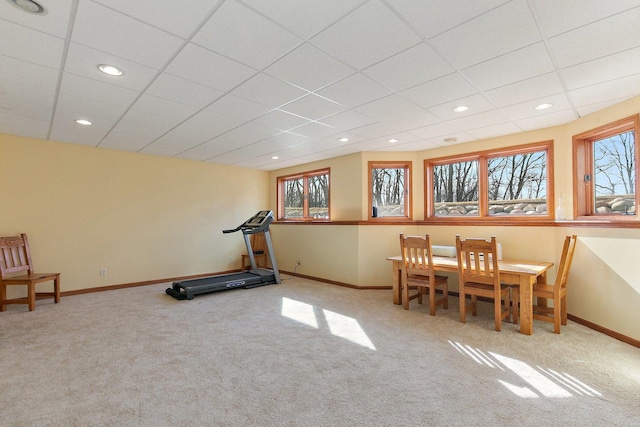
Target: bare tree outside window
point(453, 184)
point(389, 190)
point(614, 172)
point(304, 196)
point(293, 198)
point(319, 196)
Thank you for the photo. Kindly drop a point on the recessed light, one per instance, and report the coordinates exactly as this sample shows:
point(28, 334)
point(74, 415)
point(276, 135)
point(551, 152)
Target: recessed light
point(83, 122)
point(343, 139)
point(110, 69)
point(460, 108)
point(543, 106)
point(392, 140)
point(449, 140)
point(28, 6)
point(274, 157)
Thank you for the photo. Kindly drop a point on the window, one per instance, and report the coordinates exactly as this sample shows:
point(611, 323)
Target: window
point(389, 190)
point(505, 183)
point(304, 196)
point(605, 171)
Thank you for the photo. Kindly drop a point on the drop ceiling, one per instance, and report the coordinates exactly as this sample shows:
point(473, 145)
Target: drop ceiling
point(241, 82)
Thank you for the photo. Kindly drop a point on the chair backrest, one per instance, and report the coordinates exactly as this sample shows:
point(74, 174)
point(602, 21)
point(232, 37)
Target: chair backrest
point(565, 262)
point(14, 255)
point(416, 255)
point(478, 261)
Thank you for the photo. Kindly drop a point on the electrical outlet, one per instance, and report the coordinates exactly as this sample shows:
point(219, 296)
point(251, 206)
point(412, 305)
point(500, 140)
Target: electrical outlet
point(298, 262)
point(103, 272)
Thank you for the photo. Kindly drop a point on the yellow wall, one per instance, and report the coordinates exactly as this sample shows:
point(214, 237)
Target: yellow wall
point(604, 285)
point(141, 217)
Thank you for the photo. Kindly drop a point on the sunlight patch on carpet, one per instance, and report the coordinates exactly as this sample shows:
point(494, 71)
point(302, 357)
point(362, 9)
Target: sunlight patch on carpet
point(348, 328)
point(300, 312)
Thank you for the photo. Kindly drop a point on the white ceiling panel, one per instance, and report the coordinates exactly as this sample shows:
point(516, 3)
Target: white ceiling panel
point(611, 35)
point(177, 17)
point(483, 38)
point(133, 40)
point(409, 68)
point(512, 67)
point(202, 66)
point(240, 33)
point(30, 45)
point(368, 35)
point(309, 68)
point(205, 79)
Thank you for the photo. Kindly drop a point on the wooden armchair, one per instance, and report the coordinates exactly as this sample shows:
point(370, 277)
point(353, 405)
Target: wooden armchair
point(556, 292)
point(15, 258)
point(259, 246)
point(417, 257)
point(479, 276)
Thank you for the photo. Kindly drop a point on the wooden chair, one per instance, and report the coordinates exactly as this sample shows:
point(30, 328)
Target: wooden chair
point(259, 246)
point(415, 271)
point(16, 258)
point(556, 292)
point(479, 276)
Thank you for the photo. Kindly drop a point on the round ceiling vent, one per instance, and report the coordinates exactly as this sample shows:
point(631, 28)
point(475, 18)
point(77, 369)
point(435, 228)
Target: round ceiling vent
point(28, 6)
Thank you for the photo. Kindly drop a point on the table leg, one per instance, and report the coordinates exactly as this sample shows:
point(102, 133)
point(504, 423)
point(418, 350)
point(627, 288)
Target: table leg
point(526, 305)
point(397, 298)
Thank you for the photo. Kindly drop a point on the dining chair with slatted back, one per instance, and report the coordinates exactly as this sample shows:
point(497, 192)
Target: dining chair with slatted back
point(259, 247)
point(416, 272)
point(479, 276)
point(16, 268)
point(557, 292)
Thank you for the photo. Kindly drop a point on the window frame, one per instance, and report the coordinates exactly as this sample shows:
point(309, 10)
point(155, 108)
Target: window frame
point(305, 203)
point(483, 183)
point(583, 164)
point(408, 193)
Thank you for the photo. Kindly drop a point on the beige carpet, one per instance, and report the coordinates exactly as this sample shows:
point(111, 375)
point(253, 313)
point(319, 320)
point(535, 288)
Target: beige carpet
point(301, 353)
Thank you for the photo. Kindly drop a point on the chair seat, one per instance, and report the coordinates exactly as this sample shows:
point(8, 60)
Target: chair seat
point(35, 278)
point(417, 280)
point(543, 290)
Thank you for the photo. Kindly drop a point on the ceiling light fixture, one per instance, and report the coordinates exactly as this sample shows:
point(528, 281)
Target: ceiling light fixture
point(392, 140)
point(83, 122)
point(343, 139)
point(460, 108)
point(543, 106)
point(449, 140)
point(110, 69)
point(29, 6)
point(274, 157)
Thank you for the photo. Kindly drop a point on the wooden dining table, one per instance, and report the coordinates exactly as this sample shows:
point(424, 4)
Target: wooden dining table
point(523, 273)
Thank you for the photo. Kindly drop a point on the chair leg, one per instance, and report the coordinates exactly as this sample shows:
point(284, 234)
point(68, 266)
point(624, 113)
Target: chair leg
point(3, 297)
point(474, 305)
point(31, 289)
point(515, 304)
point(445, 292)
point(556, 317)
point(56, 289)
point(432, 300)
point(463, 308)
point(497, 313)
point(405, 296)
point(563, 310)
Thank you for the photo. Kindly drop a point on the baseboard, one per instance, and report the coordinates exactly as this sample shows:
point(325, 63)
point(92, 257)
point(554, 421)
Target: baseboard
point(590, 325)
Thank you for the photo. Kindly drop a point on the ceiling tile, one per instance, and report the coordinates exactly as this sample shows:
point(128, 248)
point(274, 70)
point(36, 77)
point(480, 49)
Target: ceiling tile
point(481, 39)
point(315, 130)
point(208, 68)
point(89, 107)
point(547, 120)
point(590, 108)
point(27, 93)
point(413, 121)
point(312, 107)
point(179, 18)
point(474, 121)
point(129, 137)
point(213, 120)
point(558, 17)
point(173, 144)
point(346, 120)
point(439, 91)
point(141, 118)
point(442, 14)
point(476, 103)
point(434, 131)
point(281, 120)
point(625, 87)
point(30, 45)
point(54, 22)
point(536, 87)
point(368, 35)
point(18, 124)
point(389, 107)
point(304, 18)
point(184, 91)
point(268, 91)
point(409, 68)
point(14, 108)
point(222, 144)
point(494, 130)
point(134, 40)
point(287, 139)
point(65, 129)
point(309, 68)
point(375, 130)
point(515, 66)
point(82, 87)
point(163, 107)
point(596, 40)
point(240, 108)
point(23, 72)
point(417, 145)
point(600, 70)
point(240, 33)
point(354, 90)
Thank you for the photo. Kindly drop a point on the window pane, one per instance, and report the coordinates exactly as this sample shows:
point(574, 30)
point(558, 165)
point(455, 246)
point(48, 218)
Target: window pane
point(319, 196)
point(614, 174)
point(293, 198)
point(455, 189)
point(388, 191)
point(518, 184)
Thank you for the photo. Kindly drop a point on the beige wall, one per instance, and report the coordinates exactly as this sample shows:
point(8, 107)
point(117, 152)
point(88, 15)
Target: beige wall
point(141, 217)
point(604, 286)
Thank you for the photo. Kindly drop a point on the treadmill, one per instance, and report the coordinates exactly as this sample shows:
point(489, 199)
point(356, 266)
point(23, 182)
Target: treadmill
point(259, 223)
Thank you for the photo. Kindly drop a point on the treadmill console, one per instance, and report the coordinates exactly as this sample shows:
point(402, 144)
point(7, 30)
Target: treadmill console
point(258, 219)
